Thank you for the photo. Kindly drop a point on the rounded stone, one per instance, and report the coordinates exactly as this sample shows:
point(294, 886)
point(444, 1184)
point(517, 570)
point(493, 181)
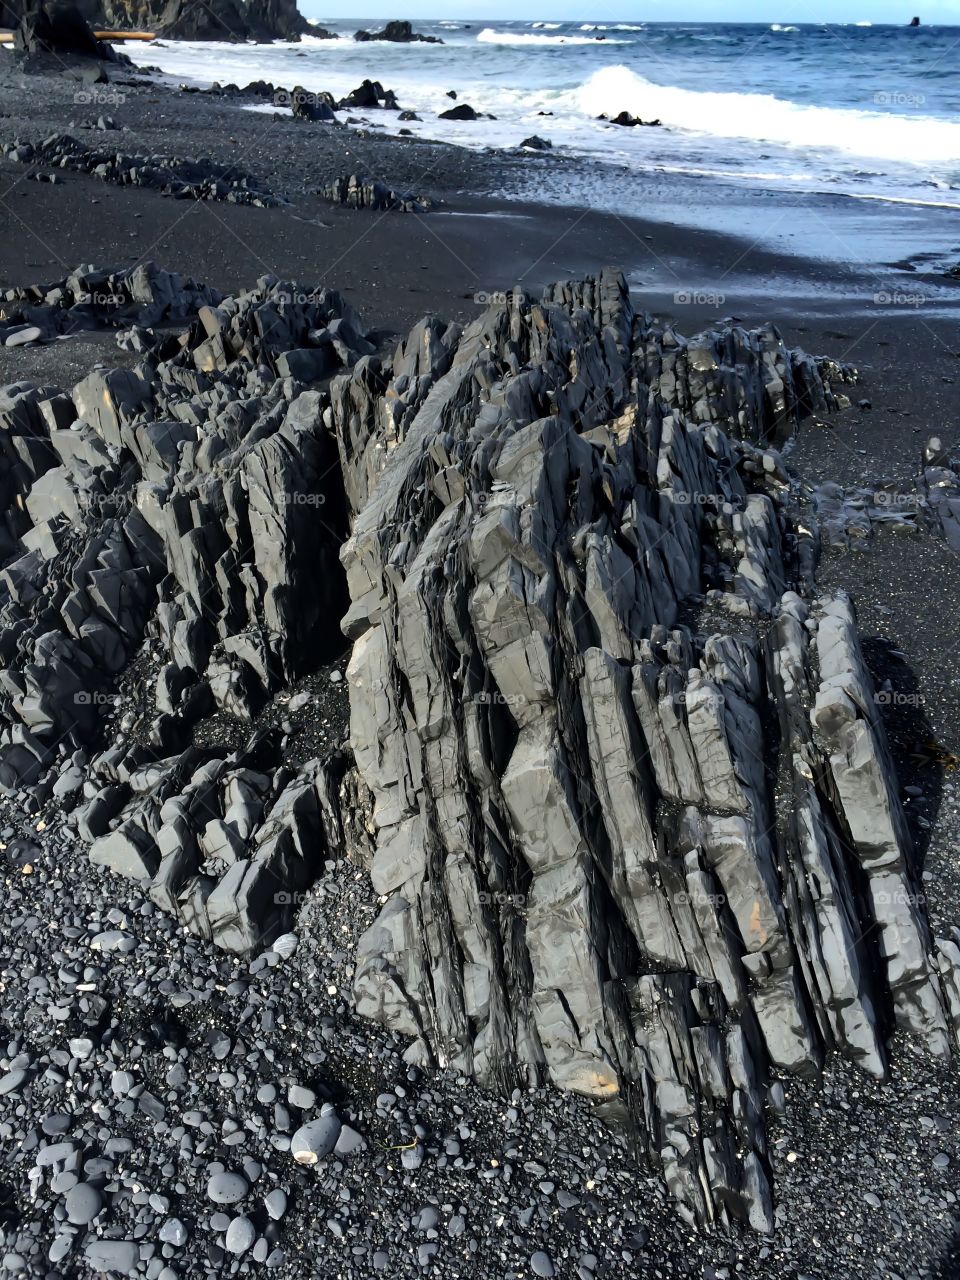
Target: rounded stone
point(315, 1141)
point(276, 1204)
point(541, 1265)
point(240, 1235)
point(226, 1187)
point(83, 1203)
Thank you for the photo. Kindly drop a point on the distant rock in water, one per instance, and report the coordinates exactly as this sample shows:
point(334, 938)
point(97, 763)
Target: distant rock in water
point(536, 143)
point(914, 22)
point(397, 33)
point(370, 93)
point(463, 111)
point(628, 121)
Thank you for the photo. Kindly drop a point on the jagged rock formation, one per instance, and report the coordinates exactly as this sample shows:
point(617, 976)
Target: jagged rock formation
point(357, 191)
point(145, 295)
point(233, 20)
point(636, 822)
point(184, 179)
point(615, 766)
point(57, 27)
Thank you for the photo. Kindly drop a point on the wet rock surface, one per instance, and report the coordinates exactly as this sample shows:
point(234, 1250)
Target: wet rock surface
point(616, 812)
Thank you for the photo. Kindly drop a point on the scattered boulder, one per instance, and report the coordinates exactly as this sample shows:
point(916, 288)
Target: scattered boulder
point(463, 111)
point(536, 143)
point(58, 27)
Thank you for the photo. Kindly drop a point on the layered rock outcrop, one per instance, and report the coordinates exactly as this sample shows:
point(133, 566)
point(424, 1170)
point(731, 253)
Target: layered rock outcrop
point(615, 766)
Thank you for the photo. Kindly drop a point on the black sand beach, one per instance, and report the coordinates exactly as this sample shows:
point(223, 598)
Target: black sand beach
point(865, 1172)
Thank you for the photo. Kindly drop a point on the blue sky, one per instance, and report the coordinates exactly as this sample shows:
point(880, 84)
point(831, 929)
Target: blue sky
point(895, 11)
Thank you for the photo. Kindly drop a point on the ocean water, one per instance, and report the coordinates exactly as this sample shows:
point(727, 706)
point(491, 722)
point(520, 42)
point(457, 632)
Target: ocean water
point(859, 110)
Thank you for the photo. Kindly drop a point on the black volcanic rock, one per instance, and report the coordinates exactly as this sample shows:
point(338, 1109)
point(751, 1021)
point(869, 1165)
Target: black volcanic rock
point(628, 121)
point(228, 20)
point(357, 191)
point(463, 111)
point(57, 27)
point(183, 178)
point(397, 33)
point(370, 93)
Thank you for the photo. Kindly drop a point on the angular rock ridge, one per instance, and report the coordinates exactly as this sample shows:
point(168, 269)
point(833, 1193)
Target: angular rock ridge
point(184, 179)
point(193, 501)
point(357, 191)
point(636, 823)
point(616, 767)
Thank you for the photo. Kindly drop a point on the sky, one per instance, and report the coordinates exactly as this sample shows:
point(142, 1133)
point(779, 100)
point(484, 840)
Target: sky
point(783, 11)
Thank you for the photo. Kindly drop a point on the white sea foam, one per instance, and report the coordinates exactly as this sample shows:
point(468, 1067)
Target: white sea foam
point(489, 36)
point(764, 118)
